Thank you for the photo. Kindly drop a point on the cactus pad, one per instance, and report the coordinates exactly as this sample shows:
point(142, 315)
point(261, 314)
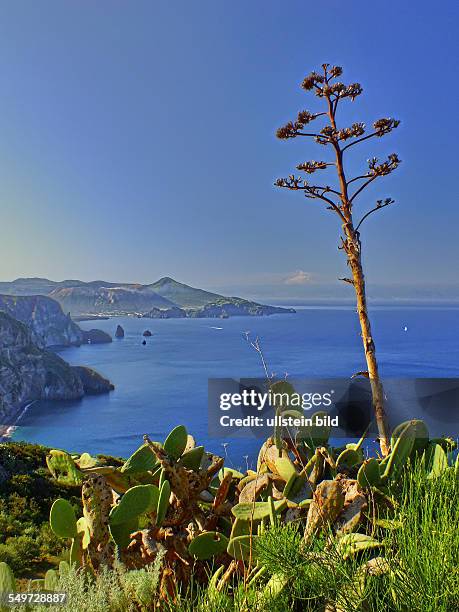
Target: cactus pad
point(257, 510)
point(176, 442)
point(135, 501)
point(7, 581)
point(369, 474)
point(163, 502)
point(63, 468)
point(97, 502)
point(208, 544)
point(349, 458)
point(242, 547)
point(142, 460)
point(51, 580)
point(62, 519)
point(121, 532)
point(86, 461)
point(401, 450)
point(192, 458)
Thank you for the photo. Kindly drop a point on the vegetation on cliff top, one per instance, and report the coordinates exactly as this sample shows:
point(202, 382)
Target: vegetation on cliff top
point(332, 542)
point(27, 491)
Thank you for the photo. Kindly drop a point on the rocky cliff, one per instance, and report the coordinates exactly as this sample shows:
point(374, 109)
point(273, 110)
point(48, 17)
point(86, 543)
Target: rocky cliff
point(47, 322)
point(93, 383)
point(108, 300)
point(29, 372)
point(45, 319)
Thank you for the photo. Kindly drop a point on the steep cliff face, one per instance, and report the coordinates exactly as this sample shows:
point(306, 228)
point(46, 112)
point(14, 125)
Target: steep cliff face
point(45, 318)
point(108, 300)
point(93, 383)
point(29, 372)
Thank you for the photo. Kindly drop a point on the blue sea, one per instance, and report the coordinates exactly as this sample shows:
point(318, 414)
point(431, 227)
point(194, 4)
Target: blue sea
point(164, 383)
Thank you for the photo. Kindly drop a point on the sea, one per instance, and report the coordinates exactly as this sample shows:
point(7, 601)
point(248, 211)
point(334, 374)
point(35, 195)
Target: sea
point(164, 382)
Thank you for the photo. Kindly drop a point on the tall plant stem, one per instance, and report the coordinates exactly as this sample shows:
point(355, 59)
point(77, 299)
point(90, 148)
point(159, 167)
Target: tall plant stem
point(352, 247)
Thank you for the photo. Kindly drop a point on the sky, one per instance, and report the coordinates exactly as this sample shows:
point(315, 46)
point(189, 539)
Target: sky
point(137, 140)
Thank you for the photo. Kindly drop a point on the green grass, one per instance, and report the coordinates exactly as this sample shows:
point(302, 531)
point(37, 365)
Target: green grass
point(426, 548)
point(422, 555)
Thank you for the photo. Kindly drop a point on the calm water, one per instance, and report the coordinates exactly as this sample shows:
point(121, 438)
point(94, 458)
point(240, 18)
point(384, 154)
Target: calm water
point(164, 383)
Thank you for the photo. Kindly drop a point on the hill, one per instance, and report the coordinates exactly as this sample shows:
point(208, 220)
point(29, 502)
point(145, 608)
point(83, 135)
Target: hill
point(183, 295)
point(164, 298)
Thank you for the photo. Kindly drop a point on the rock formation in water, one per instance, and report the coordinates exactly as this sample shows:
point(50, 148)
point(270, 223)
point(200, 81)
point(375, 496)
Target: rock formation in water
point(93, 383)
point(119, 332)
point(147, 333)
point(96, 336)
point(29, 372)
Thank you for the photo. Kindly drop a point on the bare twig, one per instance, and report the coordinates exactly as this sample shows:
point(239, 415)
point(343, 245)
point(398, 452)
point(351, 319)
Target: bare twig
point(380, 205)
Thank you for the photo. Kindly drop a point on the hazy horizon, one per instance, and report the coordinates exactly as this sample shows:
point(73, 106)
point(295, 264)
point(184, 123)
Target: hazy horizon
point(315, 290)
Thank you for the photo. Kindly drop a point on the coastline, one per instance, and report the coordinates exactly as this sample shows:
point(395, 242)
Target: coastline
point(9, 423)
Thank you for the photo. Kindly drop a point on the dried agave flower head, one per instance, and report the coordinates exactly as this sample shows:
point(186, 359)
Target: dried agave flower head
point(393, 161)
point(312, 80)
point(385, 125)
point(293, 128)
point(311, 166)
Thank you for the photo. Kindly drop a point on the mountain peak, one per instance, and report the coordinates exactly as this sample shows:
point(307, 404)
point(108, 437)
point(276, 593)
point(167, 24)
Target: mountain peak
point(165, 280)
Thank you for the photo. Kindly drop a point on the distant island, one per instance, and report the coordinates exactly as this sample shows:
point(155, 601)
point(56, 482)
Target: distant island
point(164, 299)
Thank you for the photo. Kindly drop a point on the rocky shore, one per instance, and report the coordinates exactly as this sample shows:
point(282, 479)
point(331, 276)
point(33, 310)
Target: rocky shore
point(29, 372)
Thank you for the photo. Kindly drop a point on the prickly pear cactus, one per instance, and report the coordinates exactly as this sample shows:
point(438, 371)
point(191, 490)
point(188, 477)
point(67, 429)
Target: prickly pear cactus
point(97, 502)
point(208, 544)
point(185, 484)
point(369, 474)
point(63, 467)
point(62, 519)
point(401, 450)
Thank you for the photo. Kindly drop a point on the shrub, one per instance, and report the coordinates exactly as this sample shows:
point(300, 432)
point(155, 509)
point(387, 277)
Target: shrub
point(20, 553)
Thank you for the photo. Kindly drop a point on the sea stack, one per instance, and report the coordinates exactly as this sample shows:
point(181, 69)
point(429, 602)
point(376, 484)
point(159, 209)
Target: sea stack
point(147, 333)
point(96, 336)
point(119, 332)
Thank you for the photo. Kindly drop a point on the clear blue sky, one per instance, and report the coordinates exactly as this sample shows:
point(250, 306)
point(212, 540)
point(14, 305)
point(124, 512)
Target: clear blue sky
point(137, 138)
